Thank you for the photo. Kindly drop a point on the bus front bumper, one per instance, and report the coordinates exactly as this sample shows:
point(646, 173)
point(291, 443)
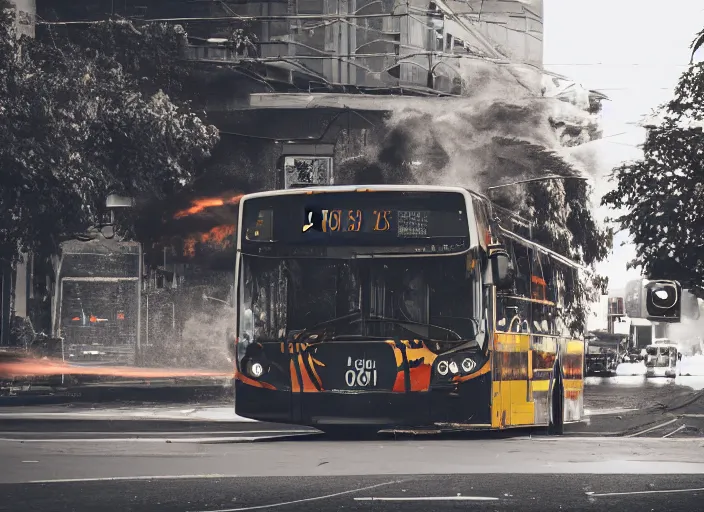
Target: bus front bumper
point(378, 408)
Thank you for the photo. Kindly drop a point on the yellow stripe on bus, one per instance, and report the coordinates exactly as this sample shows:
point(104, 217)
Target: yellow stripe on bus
point(575, 347)
point(505, 342)
point(569, 385)
point(541, 385)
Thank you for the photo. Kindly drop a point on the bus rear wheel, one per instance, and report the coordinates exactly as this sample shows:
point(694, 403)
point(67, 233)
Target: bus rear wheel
point(556, 427)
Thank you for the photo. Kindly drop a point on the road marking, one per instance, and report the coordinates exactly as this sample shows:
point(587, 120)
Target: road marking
point(675, 431)
point(590, 434)
point(117, 478)
point(305, 500)
point(126, 415)
point(29, 461)
point(656, 427)
point(432, 498)
point(591, 494)
point(161, 433)
point(182, 440)
point(606, 412)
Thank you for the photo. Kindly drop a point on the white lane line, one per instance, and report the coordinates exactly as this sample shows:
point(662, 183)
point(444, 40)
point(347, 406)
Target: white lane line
point(656, 427)
point(161, 433)
point(606, 412)
point(231, 439)
point(117, 478)
point(125, 416)
point(591, 494)
point(29, 461)
point(305, 500)
point(431, 498)
point(675, 431)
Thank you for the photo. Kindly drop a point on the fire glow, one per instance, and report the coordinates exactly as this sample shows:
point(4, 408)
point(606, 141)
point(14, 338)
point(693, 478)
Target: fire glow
point(31, 367)
point(219, 235)
point(199, 205)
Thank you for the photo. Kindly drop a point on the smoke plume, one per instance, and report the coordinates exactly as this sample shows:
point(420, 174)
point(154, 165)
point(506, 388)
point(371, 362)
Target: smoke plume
point(501, 130)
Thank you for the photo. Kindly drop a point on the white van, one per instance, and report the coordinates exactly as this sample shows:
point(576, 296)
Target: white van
point(661, 360)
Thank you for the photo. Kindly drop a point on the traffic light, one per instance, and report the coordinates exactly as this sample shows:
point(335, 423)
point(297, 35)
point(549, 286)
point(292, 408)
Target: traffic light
point(663, 300)
point(657, 300)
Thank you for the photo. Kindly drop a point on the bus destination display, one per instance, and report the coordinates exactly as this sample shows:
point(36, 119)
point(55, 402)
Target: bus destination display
point(354, 220)
point(403, 223)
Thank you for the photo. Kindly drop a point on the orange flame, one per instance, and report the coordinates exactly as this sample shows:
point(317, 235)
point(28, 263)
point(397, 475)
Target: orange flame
point(189, 247)
point(199, 205)
point(218, 235)
point(29, 367)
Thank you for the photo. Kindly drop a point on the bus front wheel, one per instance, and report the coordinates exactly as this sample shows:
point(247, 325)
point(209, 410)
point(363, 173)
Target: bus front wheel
point(556, 426)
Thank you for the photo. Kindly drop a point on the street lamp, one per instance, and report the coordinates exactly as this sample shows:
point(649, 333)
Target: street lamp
point(542, 178)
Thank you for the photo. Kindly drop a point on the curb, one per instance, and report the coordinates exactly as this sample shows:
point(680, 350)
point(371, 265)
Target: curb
point(111, 394)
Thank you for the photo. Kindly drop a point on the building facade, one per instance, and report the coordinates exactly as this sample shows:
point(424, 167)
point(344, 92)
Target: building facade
point(306, 81)
point(299, 87)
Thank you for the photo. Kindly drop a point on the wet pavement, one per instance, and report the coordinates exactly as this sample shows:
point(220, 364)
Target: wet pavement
point(616, 406)
point(635, 392)
point(201, 457)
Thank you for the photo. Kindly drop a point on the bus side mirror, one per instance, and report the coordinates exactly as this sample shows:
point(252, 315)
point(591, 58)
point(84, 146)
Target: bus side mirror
point(501, 271)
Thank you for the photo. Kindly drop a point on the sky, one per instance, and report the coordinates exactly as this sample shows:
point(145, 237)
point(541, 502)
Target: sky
point(634, 52)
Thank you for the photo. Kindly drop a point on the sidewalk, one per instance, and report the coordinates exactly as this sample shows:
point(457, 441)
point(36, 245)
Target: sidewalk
point(684, 412)
point(167, 391)
point(221, 412)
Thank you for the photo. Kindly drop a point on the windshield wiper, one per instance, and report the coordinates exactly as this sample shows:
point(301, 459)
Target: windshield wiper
point(383, 319)
point(308, 331)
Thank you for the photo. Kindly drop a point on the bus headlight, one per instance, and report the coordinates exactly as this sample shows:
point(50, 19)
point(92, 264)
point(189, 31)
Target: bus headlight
point(468, 365)
point(257, 370)
point(453, 367)
point(443, 368)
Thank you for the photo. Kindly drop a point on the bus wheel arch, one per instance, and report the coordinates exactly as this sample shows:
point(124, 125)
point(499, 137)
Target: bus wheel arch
point(556, 425)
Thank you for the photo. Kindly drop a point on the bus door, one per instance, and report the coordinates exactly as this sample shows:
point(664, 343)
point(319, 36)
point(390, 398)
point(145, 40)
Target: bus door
point(512, 401)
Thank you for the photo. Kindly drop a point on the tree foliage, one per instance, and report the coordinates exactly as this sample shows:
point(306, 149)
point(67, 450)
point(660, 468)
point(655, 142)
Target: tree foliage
point(77, 123)
point(561, 213)
point(560, 210)
point(662, 194)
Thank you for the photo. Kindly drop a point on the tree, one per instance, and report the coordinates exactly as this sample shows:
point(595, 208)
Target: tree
point(480, 144)
point(563, 221)
point(662, 194)
point(76, 125)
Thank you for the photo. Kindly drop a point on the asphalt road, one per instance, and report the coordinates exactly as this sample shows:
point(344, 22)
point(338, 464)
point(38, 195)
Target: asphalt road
point(149, 464)
point(490, 474)
point(504, 492)
point(636, 392)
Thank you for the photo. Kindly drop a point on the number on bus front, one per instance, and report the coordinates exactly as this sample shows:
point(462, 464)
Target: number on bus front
point(360, 373)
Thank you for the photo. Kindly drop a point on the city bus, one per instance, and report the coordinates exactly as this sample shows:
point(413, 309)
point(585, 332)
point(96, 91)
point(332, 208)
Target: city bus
point(393, 306)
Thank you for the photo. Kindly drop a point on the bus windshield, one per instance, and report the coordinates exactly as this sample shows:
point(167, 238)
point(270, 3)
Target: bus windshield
point(435, 299)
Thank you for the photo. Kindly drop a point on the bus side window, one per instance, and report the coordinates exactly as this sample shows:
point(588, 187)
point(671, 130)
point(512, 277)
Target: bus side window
point(523, 279)
point(544, 319)
point(542, 289)
point(561, 275)
point(512, 315)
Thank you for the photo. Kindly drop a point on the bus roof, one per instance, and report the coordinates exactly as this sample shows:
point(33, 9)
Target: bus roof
point(356, 188)
point(413, 188)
